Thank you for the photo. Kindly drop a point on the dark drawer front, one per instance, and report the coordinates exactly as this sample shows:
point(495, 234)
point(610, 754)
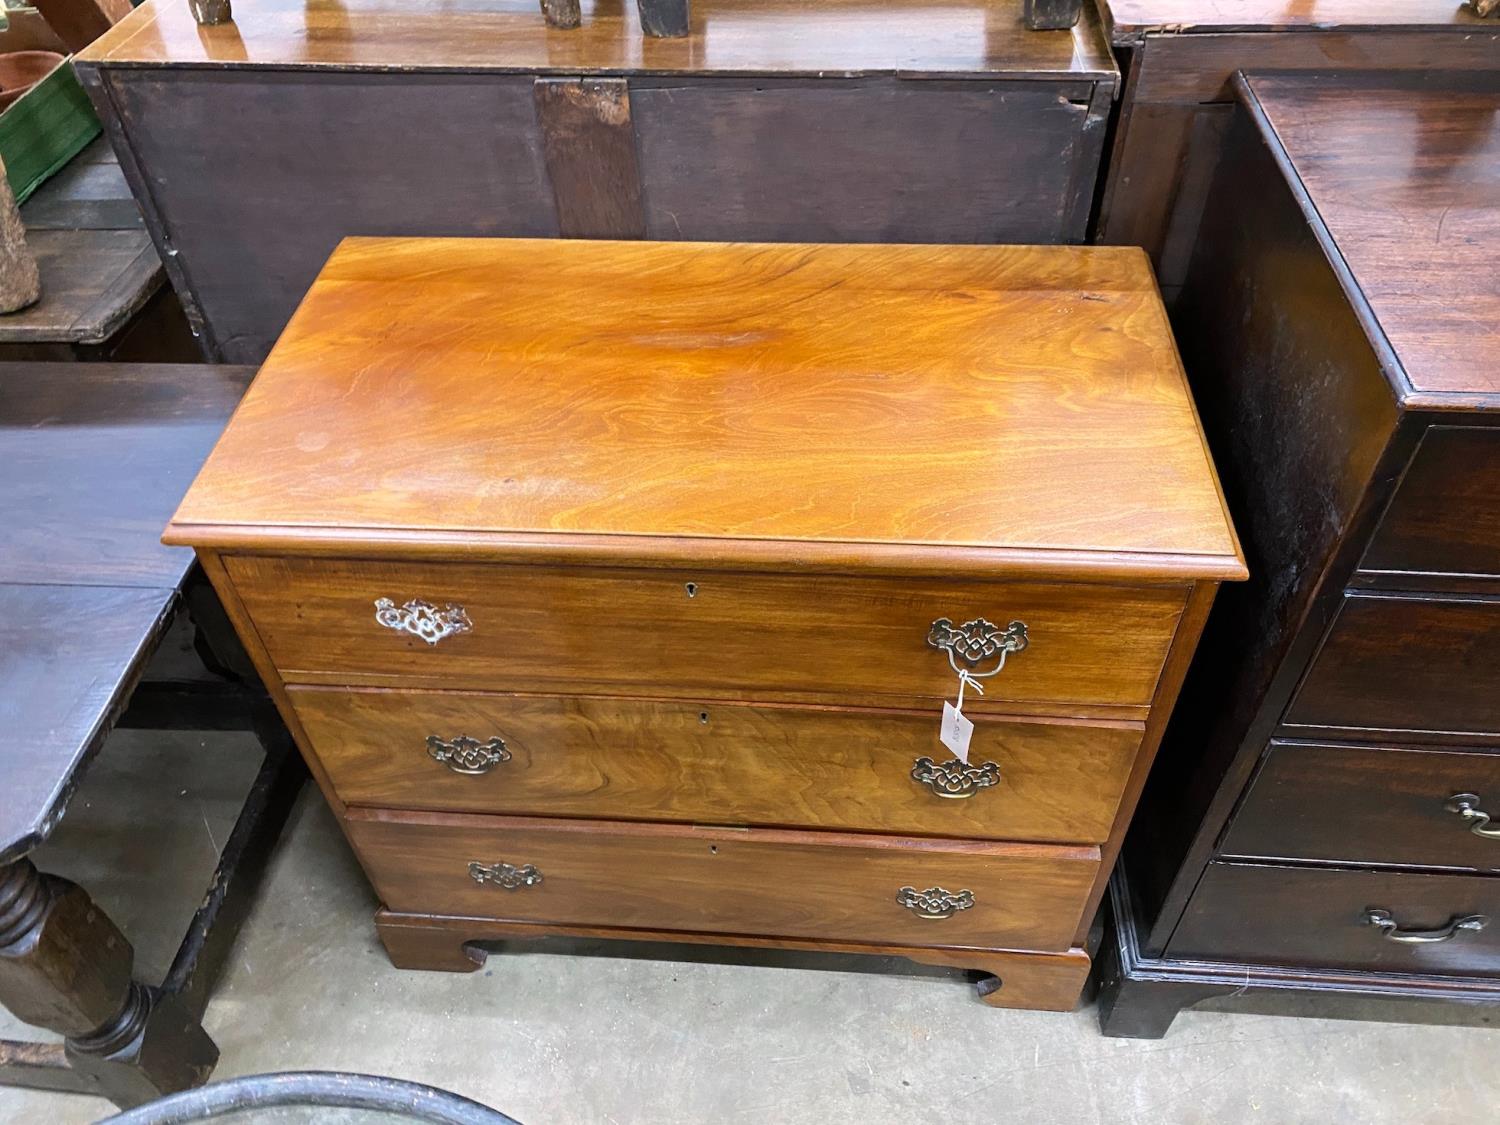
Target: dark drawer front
point(866, 161)
point(1318, 918)
point(1445, 518)
point(1406, 663)
point(1359, 804)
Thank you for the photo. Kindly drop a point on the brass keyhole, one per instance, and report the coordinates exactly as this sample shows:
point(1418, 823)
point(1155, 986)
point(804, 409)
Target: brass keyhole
point(703, 717)
point(692, 589)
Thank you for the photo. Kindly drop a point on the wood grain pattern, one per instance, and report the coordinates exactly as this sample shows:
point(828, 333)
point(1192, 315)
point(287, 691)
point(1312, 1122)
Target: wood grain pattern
point(1343, 803)
point(1311, 916)
point(760, 636)
point(1421, 241)
point(630, 759)
point(94, 461)
point(1445, 516)
point(824, 885)
point(1406, 663)
point(1039, 981)
point(918, 37)
point(828, 395)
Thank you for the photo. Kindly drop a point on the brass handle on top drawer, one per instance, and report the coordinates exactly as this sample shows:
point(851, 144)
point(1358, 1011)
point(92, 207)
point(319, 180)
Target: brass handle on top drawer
point(976, 641)
point(467, 755)
point(1466, 805)
point(422, 619)
point(934, 903)
point(954, 779)
point(1391, 931)
point(505, 875)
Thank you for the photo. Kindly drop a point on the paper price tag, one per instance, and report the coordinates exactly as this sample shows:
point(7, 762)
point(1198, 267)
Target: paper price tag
point(956, 732)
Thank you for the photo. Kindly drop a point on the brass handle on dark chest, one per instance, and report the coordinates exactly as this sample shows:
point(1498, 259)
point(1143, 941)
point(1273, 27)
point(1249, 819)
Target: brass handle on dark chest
point(1392, 931)
point(505, 875)
point(1466, 805)
point(467, 755)
point(954, 779)
point(934, 903)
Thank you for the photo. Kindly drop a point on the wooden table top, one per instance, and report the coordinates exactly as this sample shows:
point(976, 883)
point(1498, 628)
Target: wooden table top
point(97, 264)
point(996, 408)
point(1187, 17)
point(95, 456)
point(836, 37)
point(1403, 172)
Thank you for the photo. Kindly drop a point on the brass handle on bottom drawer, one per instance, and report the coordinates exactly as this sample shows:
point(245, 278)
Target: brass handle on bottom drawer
point(1391, 931)
point(954, 779)
point(935, 902)
point(504, 875)
point(422, 619)
point(467, 755)
point(1466, 805)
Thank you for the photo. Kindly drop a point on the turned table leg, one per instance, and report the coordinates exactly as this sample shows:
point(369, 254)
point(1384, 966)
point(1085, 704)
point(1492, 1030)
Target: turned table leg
point(65, 966)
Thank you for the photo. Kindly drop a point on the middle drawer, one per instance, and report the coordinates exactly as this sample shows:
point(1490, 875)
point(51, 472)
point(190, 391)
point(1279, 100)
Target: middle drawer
point(630, 759)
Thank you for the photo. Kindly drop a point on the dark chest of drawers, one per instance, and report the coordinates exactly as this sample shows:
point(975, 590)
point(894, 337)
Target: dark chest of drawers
point(1319, 819)
point(614, 589)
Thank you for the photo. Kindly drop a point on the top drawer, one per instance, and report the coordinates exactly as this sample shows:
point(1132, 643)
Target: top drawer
point(1445, 517)
point(704, 634)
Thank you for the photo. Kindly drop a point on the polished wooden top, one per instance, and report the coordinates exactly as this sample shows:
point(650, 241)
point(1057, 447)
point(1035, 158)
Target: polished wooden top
point(1403, 174)
point(1007, 408)
point(909, 37)
point(1186, 17)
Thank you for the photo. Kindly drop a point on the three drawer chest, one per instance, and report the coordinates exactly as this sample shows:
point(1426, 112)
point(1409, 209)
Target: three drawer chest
point(616, 589)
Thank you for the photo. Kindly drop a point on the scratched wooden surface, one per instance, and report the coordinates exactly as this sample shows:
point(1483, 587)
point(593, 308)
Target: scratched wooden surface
point(1404, 178)
point(972, 398)
point(959, 37)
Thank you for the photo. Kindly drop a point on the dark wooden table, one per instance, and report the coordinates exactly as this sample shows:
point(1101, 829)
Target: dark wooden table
point(95, 458)
point(104, 292)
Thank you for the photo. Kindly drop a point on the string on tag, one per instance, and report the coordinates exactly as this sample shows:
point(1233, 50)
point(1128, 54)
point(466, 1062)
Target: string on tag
point(965, 679)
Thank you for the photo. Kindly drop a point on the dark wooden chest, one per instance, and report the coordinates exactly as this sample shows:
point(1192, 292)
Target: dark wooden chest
point(1319, 819)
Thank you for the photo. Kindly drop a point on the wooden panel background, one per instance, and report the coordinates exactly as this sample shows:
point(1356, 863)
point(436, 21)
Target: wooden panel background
point(256, 177)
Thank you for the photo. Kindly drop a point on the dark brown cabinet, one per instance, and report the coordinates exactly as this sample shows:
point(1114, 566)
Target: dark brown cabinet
point(1319, 819)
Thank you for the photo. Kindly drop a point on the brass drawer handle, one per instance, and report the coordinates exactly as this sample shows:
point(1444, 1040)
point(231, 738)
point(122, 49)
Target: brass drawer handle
point(1466, 805)
point(1391, 931)
point(467, 755)
point(975, 641)
point(935, 902)
point(504, 875)
point(422, 619)
point(954, 779)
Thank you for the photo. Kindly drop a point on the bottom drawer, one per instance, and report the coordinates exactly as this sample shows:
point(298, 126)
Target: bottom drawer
point(715, 880)
point(1326, 918)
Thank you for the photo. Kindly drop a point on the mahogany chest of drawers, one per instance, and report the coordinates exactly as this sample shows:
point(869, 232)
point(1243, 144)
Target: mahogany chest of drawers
point(615, 589)
point(1319, 820)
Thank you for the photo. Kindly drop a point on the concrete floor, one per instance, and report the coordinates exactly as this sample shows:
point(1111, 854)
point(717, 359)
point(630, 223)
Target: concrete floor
point(561, 1038)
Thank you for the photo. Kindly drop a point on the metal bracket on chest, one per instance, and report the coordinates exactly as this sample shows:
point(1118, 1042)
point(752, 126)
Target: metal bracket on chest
point(977, 640)
point(505, 875)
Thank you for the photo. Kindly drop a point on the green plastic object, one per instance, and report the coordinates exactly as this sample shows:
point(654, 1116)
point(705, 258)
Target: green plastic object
point(44, 129)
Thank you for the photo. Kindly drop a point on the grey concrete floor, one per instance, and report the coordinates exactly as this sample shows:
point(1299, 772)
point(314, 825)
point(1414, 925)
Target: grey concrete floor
point(563, 1038)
